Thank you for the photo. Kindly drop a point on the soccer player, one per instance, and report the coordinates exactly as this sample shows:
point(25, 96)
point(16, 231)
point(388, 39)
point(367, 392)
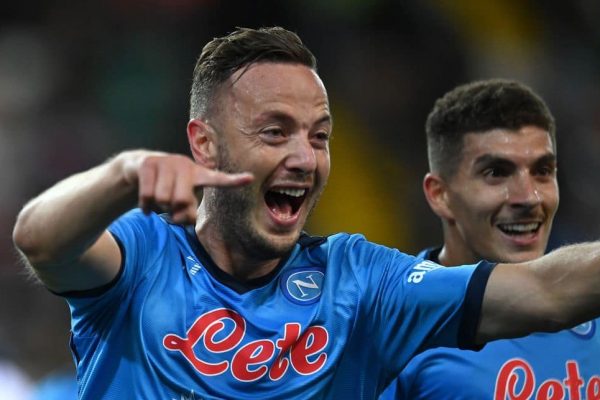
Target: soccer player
point(492, 182)
point(227, 298)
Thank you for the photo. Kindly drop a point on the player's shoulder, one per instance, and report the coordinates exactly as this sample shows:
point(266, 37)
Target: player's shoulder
point(136, 219)
point(354, 248)
point(358, 242)
point(331, 242)
point(143, 227)
point(136, 215)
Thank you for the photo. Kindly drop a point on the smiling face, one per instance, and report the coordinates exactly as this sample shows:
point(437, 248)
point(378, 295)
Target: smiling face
point(272, 120)
point(501, 202)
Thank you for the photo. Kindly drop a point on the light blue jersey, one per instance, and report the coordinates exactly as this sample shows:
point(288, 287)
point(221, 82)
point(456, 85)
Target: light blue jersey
point(337, 319)
point(541, 366)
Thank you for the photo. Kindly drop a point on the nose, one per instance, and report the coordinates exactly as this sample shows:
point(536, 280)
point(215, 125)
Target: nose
point(301, 157)
point(523, 191)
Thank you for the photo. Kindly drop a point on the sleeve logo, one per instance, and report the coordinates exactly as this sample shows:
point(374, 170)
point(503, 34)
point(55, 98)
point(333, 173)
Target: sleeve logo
point(419, 271)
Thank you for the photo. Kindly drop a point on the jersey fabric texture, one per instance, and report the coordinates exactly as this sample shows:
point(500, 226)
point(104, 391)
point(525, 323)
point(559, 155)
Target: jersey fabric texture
point(337, 319)
point(541, 366)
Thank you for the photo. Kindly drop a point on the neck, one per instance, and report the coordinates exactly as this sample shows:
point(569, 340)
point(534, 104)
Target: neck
point(448, 259)
point(230, 256)
point(454, 252)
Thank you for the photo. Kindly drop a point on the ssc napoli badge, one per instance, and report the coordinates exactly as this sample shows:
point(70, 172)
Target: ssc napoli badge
point(585, 330)
point(303, 285)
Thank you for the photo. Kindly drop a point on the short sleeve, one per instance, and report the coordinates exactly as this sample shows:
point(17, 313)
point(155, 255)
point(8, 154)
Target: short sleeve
point(411, 304)
point(140, 238)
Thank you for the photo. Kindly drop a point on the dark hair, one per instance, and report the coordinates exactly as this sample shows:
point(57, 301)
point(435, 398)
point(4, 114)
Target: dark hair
point(478, 107)
point(223, 56)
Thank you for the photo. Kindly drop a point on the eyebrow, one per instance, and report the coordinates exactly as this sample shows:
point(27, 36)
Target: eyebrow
point(286, 118)
point(327, 118)
point(547, 159)
point(494, 158)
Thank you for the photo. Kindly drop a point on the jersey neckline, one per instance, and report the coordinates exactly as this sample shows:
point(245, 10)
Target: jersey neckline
point(231, 282)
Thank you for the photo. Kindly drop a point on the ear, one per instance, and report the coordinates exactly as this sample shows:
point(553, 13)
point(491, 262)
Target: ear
point(202, 139)
point(436, 193)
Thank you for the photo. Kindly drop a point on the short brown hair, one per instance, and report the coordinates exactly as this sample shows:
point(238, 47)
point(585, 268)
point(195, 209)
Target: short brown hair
point(223, 56)
point(478, 107)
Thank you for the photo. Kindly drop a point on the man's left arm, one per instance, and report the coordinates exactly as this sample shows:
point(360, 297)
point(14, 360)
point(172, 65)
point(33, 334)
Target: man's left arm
point(554, 292)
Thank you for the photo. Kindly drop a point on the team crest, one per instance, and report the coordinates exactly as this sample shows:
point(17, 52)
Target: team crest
point(585, 330)
point(303, 285)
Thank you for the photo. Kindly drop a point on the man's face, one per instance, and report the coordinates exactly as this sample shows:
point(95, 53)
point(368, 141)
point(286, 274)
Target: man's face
point(504, 195)
point(274, 121)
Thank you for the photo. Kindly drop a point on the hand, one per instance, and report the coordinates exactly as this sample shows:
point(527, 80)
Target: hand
point(168, 182)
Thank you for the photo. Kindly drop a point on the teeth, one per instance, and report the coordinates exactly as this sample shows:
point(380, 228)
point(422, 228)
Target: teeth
point(520, 228)
point(291, 192)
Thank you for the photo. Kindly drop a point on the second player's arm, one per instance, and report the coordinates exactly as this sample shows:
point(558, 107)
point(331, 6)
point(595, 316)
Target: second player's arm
point(554, 292)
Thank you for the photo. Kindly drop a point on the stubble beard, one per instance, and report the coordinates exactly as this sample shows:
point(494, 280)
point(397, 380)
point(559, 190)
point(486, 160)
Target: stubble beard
point(231, 209)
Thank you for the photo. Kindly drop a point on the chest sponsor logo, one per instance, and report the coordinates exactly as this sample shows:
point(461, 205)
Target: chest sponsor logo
point(218, 335)
point(303, 286)
point(517, 381)
point(585, 330)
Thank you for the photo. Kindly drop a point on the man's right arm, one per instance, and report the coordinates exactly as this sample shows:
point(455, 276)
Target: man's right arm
point(62, 232)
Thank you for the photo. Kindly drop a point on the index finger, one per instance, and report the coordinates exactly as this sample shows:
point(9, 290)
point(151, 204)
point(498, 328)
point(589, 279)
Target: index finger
point(211, 177)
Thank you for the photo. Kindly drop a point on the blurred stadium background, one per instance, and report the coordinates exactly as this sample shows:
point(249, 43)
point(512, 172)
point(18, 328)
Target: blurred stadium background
point(81, 80)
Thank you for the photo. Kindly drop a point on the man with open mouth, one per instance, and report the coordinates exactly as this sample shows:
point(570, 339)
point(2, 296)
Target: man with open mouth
point(226, 297)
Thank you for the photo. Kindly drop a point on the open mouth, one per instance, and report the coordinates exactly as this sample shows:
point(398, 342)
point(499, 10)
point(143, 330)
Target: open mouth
point(522, 229)
point(285, 202)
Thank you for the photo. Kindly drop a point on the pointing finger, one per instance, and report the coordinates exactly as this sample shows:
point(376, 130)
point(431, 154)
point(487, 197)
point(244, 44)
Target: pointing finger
point(209, 177)
point(147, 179)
